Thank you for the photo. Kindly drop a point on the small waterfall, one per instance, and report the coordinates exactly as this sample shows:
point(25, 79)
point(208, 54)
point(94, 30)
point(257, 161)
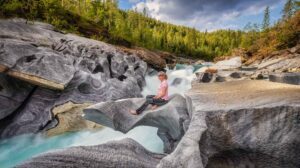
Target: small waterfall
point(21, 148)
point(179, 81)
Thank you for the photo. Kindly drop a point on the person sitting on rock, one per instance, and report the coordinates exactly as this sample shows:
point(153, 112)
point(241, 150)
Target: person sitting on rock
point(160, 99)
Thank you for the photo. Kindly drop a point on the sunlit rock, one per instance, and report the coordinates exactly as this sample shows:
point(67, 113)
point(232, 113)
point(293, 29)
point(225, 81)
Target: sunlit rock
point(240, 124)
point(232, 63)
point(70, 119)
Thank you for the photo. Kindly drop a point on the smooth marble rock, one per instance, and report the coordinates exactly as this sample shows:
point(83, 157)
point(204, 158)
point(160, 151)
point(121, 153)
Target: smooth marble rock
point(240, 124)
point(171, 119)
point(123, 153)
point(13, 93)
point(63, 68)
point(33, 116)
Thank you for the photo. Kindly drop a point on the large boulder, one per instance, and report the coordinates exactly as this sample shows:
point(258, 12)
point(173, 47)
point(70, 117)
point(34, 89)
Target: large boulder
point(124, 153)
point(240, 124)
point(63, 68)
point(232, 63)
point(171, 119)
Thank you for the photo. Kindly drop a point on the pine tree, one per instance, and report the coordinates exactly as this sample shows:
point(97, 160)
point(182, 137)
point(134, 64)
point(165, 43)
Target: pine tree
point(288, 9)
point(145, 12)
point(266, 21)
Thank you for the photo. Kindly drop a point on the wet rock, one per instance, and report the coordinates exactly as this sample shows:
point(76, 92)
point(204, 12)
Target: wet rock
point(289, 78)
point(236, 75)
point(221, 79)
point(124, 153)
point(171, 119)
point(240, 124)
point(222, 76)
point(207, 77)
point(176, 82)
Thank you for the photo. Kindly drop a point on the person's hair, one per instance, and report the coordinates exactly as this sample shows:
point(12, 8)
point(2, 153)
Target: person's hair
point(161, 73)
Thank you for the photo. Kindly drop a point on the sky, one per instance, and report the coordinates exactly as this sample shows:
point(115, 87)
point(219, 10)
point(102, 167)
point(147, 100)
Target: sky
point(207, 15)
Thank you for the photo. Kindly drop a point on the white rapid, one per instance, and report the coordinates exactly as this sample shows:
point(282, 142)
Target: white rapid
point(185, 75)
point(18, 149)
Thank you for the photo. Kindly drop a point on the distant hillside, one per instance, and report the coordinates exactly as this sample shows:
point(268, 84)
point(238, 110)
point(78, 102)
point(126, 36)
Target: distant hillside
point(103, 20)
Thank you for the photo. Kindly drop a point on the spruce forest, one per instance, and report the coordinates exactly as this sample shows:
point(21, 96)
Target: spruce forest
point(103, 20)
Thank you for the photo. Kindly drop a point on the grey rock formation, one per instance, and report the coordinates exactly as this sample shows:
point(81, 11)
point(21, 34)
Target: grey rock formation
point(223, 76)
point(32, 117)
point(287, 60)
point(171, 119)
point(240, 124)
point(124, 153)
point(290, 78)
point(13, 93)
point(64, 68)
point(233, 124)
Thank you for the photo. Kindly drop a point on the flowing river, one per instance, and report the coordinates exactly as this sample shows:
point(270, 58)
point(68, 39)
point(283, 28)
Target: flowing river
point(20, 148)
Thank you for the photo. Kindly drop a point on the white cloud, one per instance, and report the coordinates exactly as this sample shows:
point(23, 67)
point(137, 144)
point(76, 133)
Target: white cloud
point(202, 14)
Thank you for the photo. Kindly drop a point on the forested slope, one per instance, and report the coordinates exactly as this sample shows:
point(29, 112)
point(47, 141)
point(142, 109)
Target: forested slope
point(103, 20)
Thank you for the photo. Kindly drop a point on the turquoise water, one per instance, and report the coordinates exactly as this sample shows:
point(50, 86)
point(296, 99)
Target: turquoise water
point(20, 148)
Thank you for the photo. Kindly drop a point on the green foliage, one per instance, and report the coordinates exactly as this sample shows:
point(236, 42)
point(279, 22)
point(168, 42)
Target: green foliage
point(103, 20)
point(289, 9)
point(284, 34)
point(11, 7)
